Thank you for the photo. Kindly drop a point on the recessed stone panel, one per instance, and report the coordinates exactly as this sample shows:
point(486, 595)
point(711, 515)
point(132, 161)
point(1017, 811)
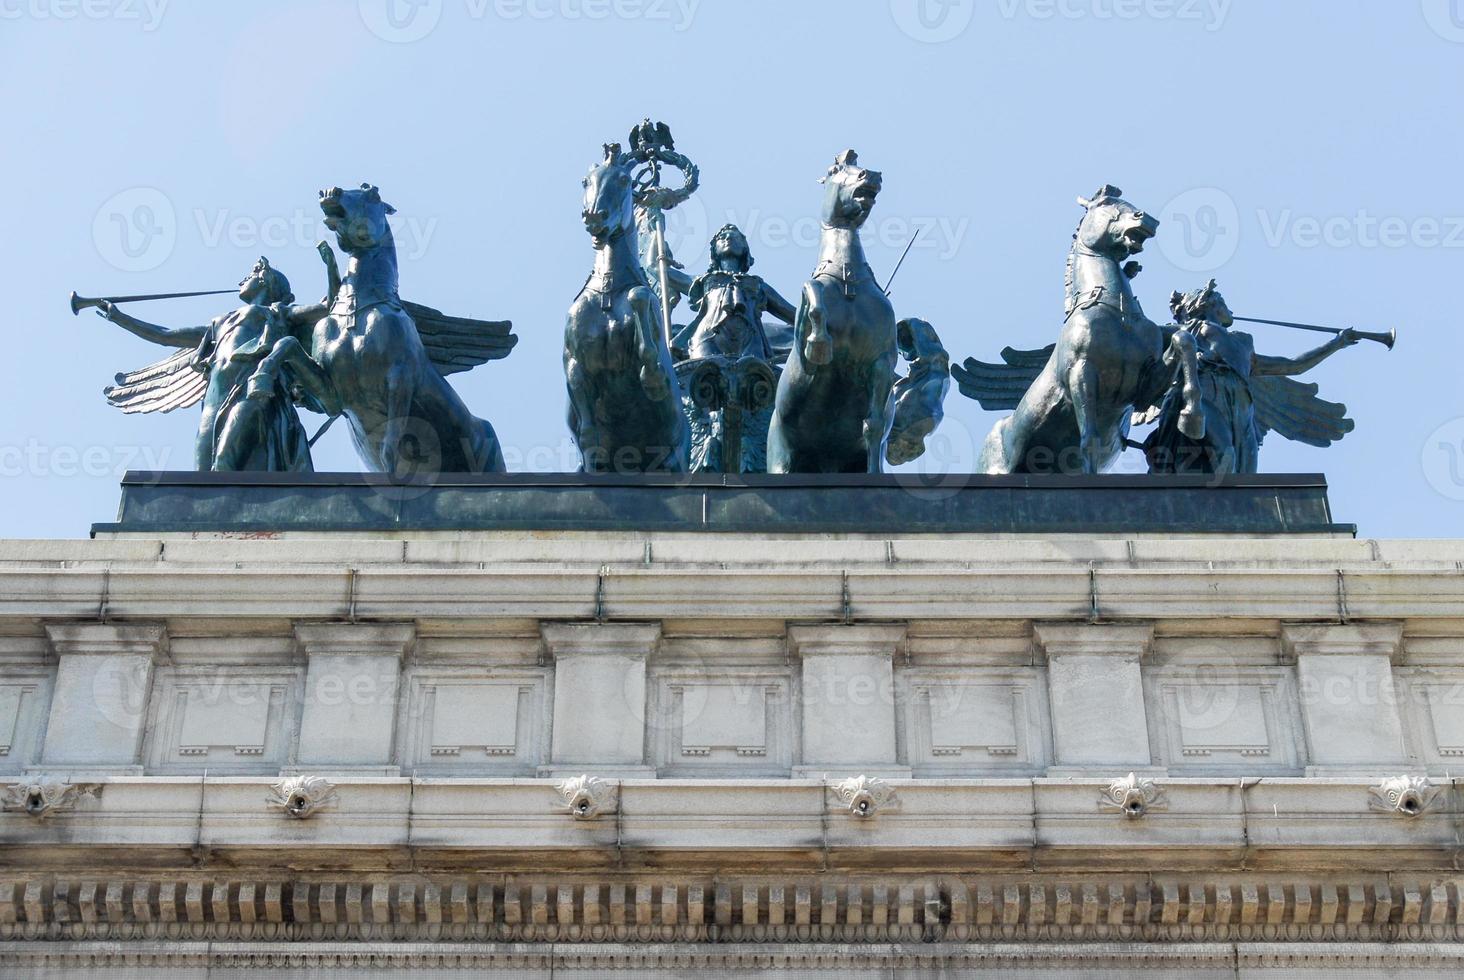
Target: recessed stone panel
point(22, 712)
point(1207, 719)
point(476, 721)
point(235, 719)
point(733, 722)
point(1432, 706)
point(971, 720)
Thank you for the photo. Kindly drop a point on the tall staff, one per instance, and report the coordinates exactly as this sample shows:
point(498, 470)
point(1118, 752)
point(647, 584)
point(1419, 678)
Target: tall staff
point(654, 147)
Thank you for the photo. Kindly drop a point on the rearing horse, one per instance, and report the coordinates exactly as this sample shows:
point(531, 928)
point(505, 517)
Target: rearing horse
point(387, 357)
point(834, 410)
point(624, 400)
point(1110, 360)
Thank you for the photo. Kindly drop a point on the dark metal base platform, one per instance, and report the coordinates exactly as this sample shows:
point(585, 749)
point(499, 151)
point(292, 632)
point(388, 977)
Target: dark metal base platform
point(154, 503)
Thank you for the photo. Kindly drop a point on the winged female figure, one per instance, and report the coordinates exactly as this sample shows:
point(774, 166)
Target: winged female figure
point(1244, 395)
point(247, 368)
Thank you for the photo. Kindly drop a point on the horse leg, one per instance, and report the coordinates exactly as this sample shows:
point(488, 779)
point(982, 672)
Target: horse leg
point(1082, 380)
point(581, 417)
point(648, 345)
point(1191, 417)
point(812, 329)
point(400, 388)
point(996, 452)
point(877, 422)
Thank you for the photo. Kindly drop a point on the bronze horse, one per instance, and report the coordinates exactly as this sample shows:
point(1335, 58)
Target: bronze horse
point(834, 408)
point(387, 358)
point(624, 399)
point(1073, 402)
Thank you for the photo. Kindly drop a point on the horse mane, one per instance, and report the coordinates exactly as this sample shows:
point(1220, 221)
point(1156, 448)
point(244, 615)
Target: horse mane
point(1106, 194)
point(1070, 274)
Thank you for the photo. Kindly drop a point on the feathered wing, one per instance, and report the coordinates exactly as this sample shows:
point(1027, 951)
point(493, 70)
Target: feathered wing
point(780, 340)
point(169, 384)
point(457, 344)
point(1292, 409)
point(1000, 387)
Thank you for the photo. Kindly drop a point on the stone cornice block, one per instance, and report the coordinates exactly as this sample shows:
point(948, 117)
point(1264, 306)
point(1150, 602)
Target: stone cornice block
point(1199, 815)
point(1132, 642)
point(356, 639)
point(1357, 639)
point(846, 641)
point(108, 639)
point(635, 640)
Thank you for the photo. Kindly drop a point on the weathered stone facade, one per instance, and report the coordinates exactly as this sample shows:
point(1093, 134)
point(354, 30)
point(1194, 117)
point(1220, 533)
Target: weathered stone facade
point(659, 753)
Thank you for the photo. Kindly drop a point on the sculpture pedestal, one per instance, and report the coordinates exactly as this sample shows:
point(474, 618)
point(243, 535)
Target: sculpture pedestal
point(429, 750)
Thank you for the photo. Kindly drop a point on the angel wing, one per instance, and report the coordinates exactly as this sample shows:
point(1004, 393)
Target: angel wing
point(780, 340)
point(169, 384)
point(457, 344)
point(999, 387)
point(1292, 409)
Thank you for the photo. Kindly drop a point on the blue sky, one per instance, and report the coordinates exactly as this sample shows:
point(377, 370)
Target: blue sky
point(1306, 154)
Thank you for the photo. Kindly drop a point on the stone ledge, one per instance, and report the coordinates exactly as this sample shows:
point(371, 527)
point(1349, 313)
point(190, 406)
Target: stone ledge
point(1263, 589)
point(696, 823)
point(943, 504)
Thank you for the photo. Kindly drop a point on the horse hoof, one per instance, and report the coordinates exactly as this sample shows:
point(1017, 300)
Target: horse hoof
point(1192, 424)
point(818, 352)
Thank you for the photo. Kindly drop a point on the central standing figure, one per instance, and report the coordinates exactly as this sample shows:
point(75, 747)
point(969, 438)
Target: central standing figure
point(834, 406)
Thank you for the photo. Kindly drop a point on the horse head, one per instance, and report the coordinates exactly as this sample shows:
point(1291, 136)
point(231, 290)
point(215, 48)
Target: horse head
point(1112, 227)
point(610, 196)
point(850, 192)
point(358, 218)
